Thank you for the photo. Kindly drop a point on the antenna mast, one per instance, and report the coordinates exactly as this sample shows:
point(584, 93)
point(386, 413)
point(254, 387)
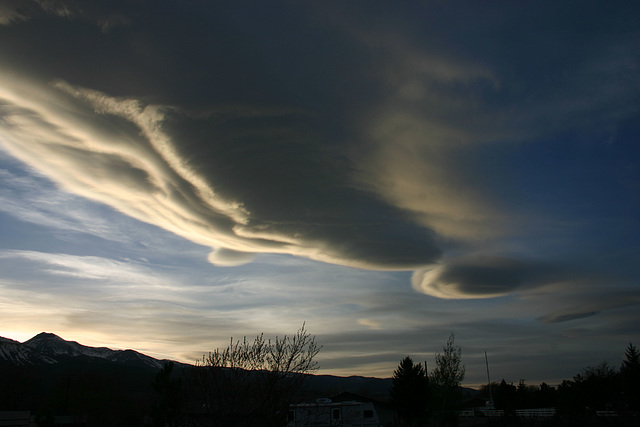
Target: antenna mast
point(486, 361)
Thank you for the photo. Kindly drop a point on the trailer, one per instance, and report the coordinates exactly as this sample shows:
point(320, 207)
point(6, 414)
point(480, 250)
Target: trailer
point(325, 413)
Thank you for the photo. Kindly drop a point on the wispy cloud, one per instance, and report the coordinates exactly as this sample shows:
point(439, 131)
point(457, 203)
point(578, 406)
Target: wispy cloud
point(34, 199)
point(11, 11)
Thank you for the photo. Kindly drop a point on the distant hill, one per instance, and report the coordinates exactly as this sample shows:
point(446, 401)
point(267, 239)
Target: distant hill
point(329, 385)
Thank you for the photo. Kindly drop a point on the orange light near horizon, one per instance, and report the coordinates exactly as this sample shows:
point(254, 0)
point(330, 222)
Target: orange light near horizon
point(17, 336)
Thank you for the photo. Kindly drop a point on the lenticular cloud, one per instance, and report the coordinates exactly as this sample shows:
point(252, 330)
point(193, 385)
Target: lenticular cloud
point(121, 152)
point(114, 151)
point(472, 277)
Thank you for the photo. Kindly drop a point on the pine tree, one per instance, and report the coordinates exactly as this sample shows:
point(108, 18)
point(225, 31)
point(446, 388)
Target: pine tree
point(410, 391)
point(632, 360)
point(630, 374)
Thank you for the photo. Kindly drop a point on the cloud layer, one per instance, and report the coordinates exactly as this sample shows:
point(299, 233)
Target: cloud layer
point(383, 169)
point(115, 150)
point(371, 149)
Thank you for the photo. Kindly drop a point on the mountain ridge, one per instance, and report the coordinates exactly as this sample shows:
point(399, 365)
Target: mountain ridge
point(49, 348)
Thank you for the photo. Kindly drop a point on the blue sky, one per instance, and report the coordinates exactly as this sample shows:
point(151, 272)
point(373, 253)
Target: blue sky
point(177, 173)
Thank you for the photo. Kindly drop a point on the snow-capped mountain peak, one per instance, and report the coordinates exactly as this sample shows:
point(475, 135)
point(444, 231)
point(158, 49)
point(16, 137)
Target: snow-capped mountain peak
point(50, 348)
point(53, 345)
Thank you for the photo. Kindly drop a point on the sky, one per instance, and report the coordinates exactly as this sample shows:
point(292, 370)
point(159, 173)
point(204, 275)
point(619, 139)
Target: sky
point(174, 174)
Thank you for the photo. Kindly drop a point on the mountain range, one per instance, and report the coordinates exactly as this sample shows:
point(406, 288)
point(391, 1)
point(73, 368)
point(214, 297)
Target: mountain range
point(48, 348)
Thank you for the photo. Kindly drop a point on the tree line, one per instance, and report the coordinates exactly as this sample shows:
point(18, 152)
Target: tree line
point(601, 388)
point(252, 383)
point(434, 399)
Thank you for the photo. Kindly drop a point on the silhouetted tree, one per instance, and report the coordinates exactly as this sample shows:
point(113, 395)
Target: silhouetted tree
point(410, 392)
point(545, 396)
point(631, 364)
point(630, 378)
point(601, 388)
point(526, 395)
point(251, 383)
point(166, 409)
point(446, 378)
point(509, 397)
point(594, 389)
point(506, 396)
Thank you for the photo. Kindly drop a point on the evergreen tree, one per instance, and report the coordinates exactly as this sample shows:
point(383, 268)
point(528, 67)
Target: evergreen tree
point(410, 392)
point(630, 376)
point(631, 364)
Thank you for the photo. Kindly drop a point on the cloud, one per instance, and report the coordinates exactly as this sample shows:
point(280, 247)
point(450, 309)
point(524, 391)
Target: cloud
point(78, 268)
point(16, 11)
point(372, 324)
point(11, 11)
point(61, 8)
point(557, 318)
point(370, 143)
point(443, 117)
point(589, 301)
point(480, 148)
point(258, 176)
point(229, 258)
point(432, 111)
point(109, 22)
point(482, 276)
point(185, 311)
point(117, 151)
point(34, 199)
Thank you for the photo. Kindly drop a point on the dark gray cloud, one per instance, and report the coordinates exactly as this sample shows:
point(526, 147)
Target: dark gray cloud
point(484, 276)
point(567, 317)
point(295, 182)
point(374, 136)
point(278, 167)
point(593, 302)
point(488, 151)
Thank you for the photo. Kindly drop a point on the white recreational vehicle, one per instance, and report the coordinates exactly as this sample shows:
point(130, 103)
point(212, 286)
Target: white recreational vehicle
point(325, 413)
